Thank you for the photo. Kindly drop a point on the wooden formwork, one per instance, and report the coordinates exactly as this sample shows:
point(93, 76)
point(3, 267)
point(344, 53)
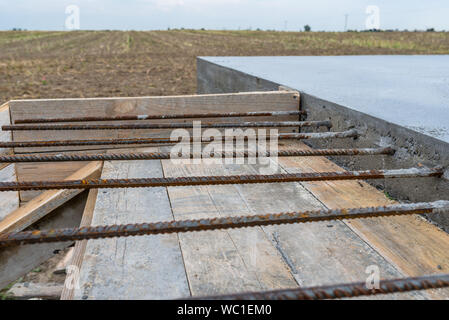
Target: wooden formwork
point(204, 263)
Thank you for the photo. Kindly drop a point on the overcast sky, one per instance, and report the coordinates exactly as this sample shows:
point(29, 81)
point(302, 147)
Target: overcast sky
point(328, 15)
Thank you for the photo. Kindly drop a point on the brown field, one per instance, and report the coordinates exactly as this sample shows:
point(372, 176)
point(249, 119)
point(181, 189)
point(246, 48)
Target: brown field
point(36, 64)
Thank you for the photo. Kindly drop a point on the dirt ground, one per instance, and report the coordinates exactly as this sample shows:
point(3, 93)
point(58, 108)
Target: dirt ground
point(130, 63)
point(114, 63)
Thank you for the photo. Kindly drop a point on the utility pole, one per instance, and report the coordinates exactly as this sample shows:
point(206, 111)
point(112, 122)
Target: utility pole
point(346, 22)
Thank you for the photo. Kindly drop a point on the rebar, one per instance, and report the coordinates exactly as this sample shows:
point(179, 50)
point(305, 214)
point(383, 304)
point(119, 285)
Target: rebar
point(168, 155)
point(164, 227)
point(136, 126)
point(339, 291)
point(219, 180)
point(64, 143)
point(165, 116)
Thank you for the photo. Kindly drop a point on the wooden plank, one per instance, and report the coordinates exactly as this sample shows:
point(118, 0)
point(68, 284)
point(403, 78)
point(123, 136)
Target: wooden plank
point(414, 246)
point(17, 261)
point(26, 291)
point(80, 246)
point(254, 101)
point(147, 267)
point(317, 253)
point(45, 203)
point(227, 261)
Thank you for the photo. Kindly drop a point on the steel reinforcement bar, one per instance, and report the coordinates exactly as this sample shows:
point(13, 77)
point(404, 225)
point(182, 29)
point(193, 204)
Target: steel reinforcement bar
point(166, 116)
point(283, 136)
point(111, 231)
point(168, 155)
point(219, 180)
point(134, 126)
point(339, 291)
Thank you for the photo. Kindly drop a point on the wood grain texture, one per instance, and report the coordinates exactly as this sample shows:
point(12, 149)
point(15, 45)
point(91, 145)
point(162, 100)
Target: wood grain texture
point(26, 291)
point(317, 253)
point(5, 135)
point(254, 101)
point(147, 267)
point(48, 171)
point(46, 202)
point(414, 246)
point(223, 261)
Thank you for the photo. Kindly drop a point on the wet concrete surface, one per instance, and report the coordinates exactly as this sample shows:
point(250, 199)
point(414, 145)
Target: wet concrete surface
point(410, 91)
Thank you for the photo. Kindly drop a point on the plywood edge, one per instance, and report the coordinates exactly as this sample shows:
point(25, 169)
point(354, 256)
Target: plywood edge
point(46, 202)
point(68, 292)
point(195, 96)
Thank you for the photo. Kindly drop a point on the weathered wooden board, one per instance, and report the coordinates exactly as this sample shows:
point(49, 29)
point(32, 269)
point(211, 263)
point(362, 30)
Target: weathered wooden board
point(42, 205)
point(17, 261)
point(9, 200)
point(255, 101)
point(4, 135)
point(223, 261)
point(80, 246)
point(147, 267)
point(317, 253)
point(414, 246)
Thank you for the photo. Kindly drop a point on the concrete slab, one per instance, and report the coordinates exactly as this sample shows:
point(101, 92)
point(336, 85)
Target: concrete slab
point(410, 91)
point(397, 101)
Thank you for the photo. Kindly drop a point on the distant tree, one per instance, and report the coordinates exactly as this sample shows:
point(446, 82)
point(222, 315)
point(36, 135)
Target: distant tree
point(307, 28)
point(430, 30)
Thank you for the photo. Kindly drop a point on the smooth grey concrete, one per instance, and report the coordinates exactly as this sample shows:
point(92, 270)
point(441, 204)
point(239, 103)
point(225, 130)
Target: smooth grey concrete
point(411, 91)
point(371, 115)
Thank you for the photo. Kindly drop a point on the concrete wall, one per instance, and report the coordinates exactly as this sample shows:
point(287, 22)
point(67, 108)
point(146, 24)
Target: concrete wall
point(413, 148)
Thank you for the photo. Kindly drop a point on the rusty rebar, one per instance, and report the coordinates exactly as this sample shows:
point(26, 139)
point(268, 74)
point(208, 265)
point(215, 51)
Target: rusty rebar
point(137, 126)
point(219, 180)
point(165, 116)
point(164, 227)
point(338, 291)
point(64, 143)
point(168, 155)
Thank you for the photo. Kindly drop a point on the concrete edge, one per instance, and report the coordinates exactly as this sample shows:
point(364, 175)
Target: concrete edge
point(413, 148)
